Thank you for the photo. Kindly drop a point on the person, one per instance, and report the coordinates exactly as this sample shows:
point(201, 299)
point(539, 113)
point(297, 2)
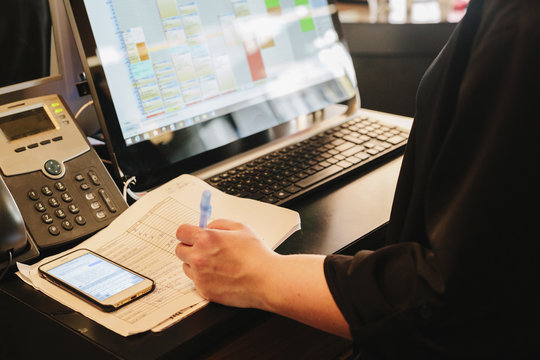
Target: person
point(459, 275)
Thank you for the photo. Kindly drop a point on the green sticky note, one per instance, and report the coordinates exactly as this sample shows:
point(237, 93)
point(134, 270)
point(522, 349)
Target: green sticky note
point(301, 2)
point(272, 4)
point(307, 24)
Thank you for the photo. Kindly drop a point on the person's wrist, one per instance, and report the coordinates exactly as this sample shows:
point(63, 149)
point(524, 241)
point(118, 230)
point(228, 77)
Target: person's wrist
point(267, 281)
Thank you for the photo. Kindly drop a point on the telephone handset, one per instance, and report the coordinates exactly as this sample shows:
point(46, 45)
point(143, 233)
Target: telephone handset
point(60, 187)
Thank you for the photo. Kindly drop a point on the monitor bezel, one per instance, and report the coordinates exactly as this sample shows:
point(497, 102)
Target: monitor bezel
point(56, 61)
point(129, 161)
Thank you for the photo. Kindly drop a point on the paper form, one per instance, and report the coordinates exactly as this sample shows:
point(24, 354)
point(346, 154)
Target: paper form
point(143, 239)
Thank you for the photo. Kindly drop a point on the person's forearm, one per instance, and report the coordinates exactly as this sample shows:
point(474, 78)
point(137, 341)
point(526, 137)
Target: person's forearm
point(295, 286)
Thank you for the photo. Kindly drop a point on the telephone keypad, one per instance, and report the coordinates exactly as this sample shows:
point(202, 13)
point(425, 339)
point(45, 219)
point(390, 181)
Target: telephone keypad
point(64, 209)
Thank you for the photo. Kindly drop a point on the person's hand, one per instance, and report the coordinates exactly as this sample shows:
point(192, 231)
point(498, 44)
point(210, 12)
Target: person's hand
point(230, 264)
point(227, 261)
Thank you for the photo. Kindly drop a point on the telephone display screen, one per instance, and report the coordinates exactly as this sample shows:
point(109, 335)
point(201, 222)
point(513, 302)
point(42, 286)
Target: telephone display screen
point(25, 123)
point(95, 276)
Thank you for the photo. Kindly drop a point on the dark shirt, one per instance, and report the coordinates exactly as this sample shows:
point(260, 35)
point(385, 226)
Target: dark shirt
point(459, 277)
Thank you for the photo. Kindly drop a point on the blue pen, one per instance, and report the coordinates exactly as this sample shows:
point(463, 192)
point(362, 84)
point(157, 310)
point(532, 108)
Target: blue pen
point(206, 208)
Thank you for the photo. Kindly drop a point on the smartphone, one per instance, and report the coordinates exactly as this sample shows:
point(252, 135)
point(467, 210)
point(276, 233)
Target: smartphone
point(100, 281)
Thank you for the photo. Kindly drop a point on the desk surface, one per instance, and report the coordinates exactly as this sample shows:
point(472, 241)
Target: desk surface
point(332, 219)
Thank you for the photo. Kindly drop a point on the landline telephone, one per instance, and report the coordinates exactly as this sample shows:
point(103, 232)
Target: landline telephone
point(54, 189)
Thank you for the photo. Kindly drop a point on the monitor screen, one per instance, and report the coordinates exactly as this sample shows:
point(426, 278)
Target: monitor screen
point(184, 83)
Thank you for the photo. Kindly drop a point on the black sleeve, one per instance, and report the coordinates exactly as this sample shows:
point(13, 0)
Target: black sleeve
point(385, 293)
point(462, 277)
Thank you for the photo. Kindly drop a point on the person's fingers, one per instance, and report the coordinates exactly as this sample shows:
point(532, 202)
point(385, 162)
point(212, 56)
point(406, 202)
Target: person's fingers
point(187, 270)
point(186, 233)
point(182, 251)
point(224, 224)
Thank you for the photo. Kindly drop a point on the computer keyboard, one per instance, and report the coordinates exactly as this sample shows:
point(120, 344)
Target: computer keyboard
point(294, 170)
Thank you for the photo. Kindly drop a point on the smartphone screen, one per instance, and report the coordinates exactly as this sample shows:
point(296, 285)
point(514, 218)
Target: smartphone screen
point(95, 276)
point(103, 282)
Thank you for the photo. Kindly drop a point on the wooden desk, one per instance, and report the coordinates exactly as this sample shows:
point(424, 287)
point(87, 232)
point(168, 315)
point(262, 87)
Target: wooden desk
point(33, 325)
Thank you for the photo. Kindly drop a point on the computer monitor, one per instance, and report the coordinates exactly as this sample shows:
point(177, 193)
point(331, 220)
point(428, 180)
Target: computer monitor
point(182, 84)
point(40, 56)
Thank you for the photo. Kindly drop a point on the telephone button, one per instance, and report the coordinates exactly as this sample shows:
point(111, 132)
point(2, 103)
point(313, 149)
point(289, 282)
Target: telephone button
point(94, 177)
point(60, 213)
point(54, 202)
point(101, 215)
point(67, 197)
point(33, 195)
point(79, 219)
point(85, 186)
point(46, 218)
point(57, 138)
point(32, 146)
point(79, 177)
point(60, 186)
point(54, 230)
point(107, 199)
point(20, 149)
point(95, 205)
point(66, 224)
point(46, 190)
point(45, 142)
point(74, 209)
point(53, 167)
point(40, 207)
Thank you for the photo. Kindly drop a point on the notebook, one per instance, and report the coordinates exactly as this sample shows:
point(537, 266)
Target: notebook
point(189, 86)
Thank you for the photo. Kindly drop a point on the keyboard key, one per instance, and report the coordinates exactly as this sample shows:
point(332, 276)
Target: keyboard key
point(394, 140)
point(321, 175)
point(344, 146)
point(362, 156)
point(353, 150)
point(282, 194)
point(344, 164)
point(293, 189)
point(270, 199)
